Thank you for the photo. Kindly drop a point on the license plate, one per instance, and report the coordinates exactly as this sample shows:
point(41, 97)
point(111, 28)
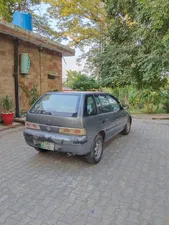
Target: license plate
point(48, 145)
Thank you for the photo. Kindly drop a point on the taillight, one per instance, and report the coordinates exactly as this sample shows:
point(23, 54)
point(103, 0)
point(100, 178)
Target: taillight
point(72, 131)
point(32, 126)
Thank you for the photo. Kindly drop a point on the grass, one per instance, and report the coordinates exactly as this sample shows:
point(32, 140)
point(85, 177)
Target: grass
point(143, 111)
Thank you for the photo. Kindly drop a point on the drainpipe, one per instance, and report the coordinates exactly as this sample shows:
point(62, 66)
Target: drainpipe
point(40, 62)
point(16, 43)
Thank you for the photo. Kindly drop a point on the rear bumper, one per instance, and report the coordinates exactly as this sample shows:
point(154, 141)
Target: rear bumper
point(78, 145)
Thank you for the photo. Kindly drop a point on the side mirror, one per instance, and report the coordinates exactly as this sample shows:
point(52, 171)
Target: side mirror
point(125, 106)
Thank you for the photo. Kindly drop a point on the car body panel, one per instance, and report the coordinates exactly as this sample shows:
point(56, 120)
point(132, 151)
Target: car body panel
point(111, 123)
point(107, 120)
point(72, 122)
point(63, 143)
point(121, 120)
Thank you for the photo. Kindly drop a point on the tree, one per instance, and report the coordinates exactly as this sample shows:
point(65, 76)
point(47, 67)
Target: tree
point(78, 21)
point(81, 82)
point(84, 83)
point(8, 7)
point(72, 75)
point(138, 51)
point(41, 24)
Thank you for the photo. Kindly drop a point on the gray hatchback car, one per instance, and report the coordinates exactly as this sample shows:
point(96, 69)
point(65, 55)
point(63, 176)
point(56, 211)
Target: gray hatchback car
point(77, 123)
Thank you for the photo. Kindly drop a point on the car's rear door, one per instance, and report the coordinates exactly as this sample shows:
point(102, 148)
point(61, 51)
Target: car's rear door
point(107, 120)
point(91, 120)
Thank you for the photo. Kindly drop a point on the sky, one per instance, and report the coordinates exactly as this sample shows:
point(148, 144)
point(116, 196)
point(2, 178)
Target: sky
point(69, 63)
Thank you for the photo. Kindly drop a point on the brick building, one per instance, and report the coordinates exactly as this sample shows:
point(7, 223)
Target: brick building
point(45, 72)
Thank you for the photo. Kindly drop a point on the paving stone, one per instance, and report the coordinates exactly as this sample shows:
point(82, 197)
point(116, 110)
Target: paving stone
point(68, 216)
point(75, 222)
point(25, 221)
point(136, 205)
point(134, 215)
point(111, 209)
point(145, 222)
point(94, 220)
point(131, 222)
point(129, 186)
point(53, 219)
point(158, 221)
point(10, 221)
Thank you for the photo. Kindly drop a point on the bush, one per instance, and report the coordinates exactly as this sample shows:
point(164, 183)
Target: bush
point(34, 95)
point(166, 106)
point(165, 99)
point(7, 104)
point(84, 83)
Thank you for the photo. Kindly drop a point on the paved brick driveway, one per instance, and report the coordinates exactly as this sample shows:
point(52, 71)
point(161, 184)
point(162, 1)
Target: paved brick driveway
point(130, 186)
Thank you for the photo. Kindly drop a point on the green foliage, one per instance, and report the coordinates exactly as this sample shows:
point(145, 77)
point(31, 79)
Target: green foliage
point(78, 21)
point(34, 95)
point(8, 7)
point(41, 24)
point(7, 104)
point(122, 94)
point(145, 100)
point(81, 82)
point(166, 106)
point(31, 92)
point(72, 75)
point(150, 99)
point(137, 51)
point(165, 94)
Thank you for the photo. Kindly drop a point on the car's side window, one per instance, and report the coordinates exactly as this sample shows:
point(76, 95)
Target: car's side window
point(90, 108)
point(114, 105)
point(102, 103)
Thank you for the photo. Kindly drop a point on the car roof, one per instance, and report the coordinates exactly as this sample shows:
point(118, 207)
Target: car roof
point(76, 92)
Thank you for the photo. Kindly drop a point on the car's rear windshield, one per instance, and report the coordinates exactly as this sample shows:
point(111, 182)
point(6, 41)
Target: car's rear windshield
point(57, 104)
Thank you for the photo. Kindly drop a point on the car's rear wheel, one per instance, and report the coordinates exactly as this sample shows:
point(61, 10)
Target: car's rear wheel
point(127, 127)
point(41, 150)
point(96, 152)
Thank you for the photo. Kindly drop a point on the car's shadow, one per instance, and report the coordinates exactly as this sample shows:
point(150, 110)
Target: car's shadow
point(57, 159)
point(108, 143)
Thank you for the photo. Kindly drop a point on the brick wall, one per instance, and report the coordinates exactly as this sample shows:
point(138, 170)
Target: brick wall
point(42, 61)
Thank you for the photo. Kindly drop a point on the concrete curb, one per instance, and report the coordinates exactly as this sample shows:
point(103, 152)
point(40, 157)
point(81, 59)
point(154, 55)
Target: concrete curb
point(4, 128)
point(162, 118)
point(20, 120)
point(151, 117)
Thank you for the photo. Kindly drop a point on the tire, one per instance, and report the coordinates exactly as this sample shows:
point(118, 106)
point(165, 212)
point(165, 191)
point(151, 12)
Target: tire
point(41, 150)
point(96, 152)
point(127, 128)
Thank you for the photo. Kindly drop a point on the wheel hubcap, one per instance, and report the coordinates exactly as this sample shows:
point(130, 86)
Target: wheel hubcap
point(98, 149)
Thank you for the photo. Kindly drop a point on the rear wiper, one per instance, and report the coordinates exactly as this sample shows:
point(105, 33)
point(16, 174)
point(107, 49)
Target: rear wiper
point(42, 112)
point(45, 112)
point(36, 111)
point(74, 114)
